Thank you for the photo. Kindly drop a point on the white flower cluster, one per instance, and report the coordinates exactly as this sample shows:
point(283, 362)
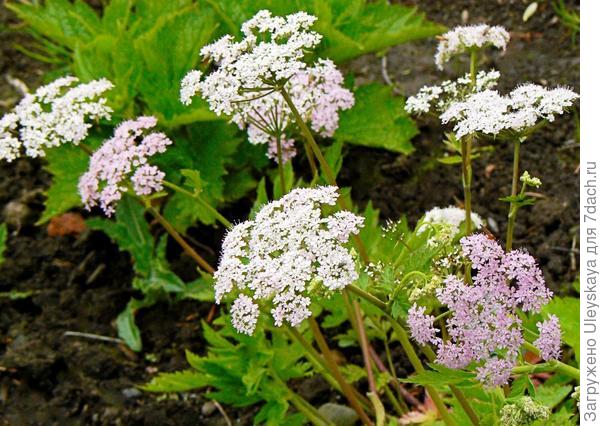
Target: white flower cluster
point(489, 112)
point(53, 115)
point(452, 217)
point(317, 94)
point(463, 39)
point(289, 252)
point(438, 98)
point(527, 179)
point(244, 83)
point(271, 51)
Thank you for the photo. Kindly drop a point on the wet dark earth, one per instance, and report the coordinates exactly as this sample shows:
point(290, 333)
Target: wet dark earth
point(51, 287)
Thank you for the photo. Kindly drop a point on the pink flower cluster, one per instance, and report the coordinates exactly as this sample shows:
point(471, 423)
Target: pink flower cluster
point(484, 326)
point(121, 158)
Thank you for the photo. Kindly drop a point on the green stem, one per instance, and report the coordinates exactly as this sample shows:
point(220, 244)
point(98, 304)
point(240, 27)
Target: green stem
point(402, 336)
point(319, 363)
point(467, 173)
point(335, 371)
point(512, 212)
point(329, 176)
point(364, 344)
point(473, 68)
point(303, 405)
point(184, 245)
point(311, 413)
point(556, 365)
point(280, 166)
point(200, 201)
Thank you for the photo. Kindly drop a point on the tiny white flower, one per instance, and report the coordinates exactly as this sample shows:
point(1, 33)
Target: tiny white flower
point(55, 114)
point(286, 255)
point(462, 39)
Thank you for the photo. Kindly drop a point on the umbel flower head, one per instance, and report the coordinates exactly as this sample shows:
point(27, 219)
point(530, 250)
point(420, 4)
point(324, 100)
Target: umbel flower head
point(437, 99)
point(290, 252)
point(452, 217)
point(463, 39)
point(491, 113)
point(245, 82)
point(122, 162)
point(55, 114)
point(484, 327)
point(523, 411)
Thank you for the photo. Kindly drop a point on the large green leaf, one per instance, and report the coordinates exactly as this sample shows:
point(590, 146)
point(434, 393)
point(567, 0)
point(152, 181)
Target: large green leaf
point(377, 120)
point(208, 149)
point(350, 28)
point(131, 233)
point(168, 51)
point(66, 163)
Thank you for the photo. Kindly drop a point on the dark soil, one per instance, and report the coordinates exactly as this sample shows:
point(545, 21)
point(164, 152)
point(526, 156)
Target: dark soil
point(81, 283)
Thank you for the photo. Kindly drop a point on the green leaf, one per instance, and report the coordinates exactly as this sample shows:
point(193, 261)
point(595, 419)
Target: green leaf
point(451, 159)
point(261, 198)
point(3, 235)
point(567, 311)
point(377, 120)
point(131, 233)
point(179, 381)
point(208, 150)
point(520, 385)
point(272, 413)
point(66, 163)
point(439, 376)
point(552, 395)
point(350, 28)
point(127, 329)
point(168, 51)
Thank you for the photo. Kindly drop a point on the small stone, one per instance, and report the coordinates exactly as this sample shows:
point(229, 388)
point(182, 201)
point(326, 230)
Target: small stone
point(208, 408)
point(131, 393)
point(340, 415)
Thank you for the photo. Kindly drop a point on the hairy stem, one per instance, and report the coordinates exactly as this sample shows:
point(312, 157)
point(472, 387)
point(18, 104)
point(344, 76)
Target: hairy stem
point(512, 211)
point(335, 371)
point(226, 223)
point(184, 245)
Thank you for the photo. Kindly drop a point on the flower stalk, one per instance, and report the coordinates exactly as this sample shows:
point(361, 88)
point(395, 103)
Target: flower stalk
point(514, 207)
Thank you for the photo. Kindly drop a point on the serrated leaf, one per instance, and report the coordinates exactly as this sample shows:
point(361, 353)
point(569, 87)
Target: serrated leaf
point(179, 381)
point(377, 120)
point(439, 376)
point(168, 51)
point(272, 413)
